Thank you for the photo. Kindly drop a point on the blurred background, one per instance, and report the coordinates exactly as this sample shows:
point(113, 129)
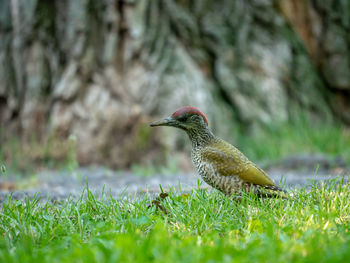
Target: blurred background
point(80, 80)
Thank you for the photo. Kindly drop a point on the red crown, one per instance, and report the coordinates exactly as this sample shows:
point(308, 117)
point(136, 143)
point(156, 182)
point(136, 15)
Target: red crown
point(189, 110)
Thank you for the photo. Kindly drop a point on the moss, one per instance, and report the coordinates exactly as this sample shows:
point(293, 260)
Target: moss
point(300, 136)
point(142, 137)
point(25, 156)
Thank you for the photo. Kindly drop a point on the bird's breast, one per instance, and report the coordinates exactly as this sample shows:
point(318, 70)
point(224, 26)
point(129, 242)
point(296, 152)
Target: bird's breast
point(226, 184)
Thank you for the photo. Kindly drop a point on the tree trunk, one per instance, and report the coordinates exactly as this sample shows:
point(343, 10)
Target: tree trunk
point(101, 70)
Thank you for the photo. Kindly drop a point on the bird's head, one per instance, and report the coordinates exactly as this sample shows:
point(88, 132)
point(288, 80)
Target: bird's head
point(186, 118)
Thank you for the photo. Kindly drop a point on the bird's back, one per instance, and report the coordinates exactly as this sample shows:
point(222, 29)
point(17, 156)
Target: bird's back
point(224, 167)
point(219, 163)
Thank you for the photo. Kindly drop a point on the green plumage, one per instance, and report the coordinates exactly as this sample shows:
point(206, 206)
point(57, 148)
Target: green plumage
point(219, 163)
point(225, 168)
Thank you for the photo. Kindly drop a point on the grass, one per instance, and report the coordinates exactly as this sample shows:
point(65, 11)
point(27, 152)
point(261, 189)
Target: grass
point(201, 226)
point(26, 157)
point(303, 136)
point(149, 169)
point(267, 145)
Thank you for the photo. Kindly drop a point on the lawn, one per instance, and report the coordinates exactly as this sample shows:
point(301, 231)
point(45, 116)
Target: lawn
point(201, 226)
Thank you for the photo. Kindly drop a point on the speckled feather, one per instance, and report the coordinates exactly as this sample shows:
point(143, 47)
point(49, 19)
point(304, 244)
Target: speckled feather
point(225, 168)
point(220, 164)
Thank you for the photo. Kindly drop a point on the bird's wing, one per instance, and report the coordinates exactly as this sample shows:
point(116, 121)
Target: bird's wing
point(257, 176)
point(230, 161)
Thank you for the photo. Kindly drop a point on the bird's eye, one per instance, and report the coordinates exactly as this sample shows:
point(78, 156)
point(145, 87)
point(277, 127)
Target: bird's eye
point(182, 118)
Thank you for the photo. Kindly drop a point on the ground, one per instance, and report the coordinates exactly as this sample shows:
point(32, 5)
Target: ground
point(135, 221)
point(59, 185)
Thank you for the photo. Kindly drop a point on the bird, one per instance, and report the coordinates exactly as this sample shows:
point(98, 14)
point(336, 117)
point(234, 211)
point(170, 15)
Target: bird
point(220, 164)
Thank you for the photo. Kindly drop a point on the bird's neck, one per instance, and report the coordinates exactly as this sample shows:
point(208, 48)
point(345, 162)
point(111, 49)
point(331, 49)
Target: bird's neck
point(200, 137)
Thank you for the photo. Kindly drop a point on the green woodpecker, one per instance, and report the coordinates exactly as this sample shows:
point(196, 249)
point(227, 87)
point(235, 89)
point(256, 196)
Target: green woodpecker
point(220, 164)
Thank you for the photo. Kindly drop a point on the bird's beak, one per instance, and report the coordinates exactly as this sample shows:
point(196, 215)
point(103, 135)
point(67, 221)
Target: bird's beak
point(166, 122)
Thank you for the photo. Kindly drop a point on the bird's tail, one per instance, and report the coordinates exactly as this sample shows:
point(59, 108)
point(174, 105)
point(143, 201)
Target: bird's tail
point(272, 191)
